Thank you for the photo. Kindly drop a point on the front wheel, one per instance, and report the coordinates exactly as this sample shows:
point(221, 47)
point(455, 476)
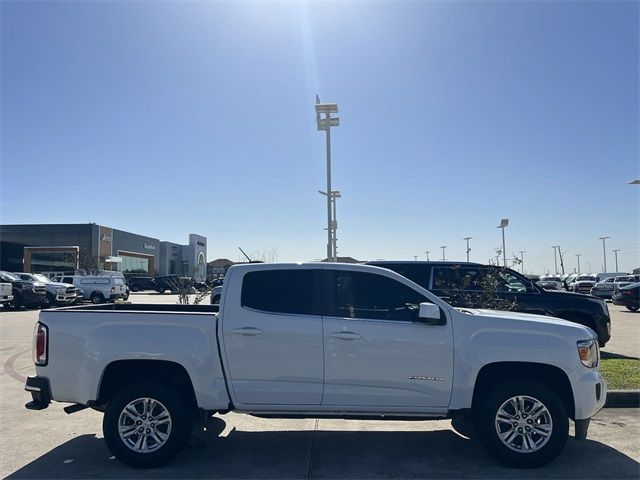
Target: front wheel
point(146, 425)
point(633, 308)
point(522, 424)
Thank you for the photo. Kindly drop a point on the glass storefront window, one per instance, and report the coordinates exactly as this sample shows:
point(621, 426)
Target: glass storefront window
point(53, 261)
point(135, 264)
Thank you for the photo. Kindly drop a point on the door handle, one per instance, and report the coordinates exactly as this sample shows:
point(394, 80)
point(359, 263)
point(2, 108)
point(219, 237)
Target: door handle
point(247, 331)
point(346, 335)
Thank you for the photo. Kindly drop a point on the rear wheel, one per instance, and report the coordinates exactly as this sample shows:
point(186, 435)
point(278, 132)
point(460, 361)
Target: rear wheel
point(146, 425)
point(522, 424)
point(633, 308)
point(97, 297)
point(135, 288)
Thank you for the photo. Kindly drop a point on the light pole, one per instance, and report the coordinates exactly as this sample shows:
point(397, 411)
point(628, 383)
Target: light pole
point(427, 252)
point(615, 251)
point(604, 252)
point(504, 223)
point(325, 124)
point(555, 257)
point(578, 255)
point(334, 222)
point(590, 269)
point(443, 247)
point(522, 252)
point(468, 249)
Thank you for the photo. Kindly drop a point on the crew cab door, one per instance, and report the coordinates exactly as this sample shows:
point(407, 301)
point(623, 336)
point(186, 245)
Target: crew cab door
point(272, 336)
point(377, 352)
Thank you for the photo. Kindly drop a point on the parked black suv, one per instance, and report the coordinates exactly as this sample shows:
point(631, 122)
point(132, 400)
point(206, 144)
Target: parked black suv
point(141, 283)
point(460, 284)
point(29, 293)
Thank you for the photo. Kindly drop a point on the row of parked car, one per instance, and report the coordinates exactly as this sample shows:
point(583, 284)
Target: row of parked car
point(34, 290)
point(621, 289)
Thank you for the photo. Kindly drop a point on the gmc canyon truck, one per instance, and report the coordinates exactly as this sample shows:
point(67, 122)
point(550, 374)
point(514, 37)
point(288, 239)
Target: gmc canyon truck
point(322, 341)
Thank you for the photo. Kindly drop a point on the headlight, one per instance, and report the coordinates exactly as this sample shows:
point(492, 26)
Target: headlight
point(588, 352)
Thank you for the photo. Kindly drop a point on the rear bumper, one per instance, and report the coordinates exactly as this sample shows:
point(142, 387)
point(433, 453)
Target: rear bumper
point(626, 301)
point(40, 392)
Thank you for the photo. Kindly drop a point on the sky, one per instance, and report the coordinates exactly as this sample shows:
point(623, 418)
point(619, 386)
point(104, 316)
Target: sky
point(170, 118)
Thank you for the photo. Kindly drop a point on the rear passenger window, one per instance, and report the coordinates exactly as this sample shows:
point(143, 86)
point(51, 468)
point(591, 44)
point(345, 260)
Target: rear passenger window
point(283, 291)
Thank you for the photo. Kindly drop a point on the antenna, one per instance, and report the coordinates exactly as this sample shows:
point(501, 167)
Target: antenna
point(245, 254)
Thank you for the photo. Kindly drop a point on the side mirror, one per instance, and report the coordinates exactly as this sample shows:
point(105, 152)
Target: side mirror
point(430, 314)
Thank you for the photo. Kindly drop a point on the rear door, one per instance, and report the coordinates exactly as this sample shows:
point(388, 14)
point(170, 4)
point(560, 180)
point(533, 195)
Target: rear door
point(377, 352)
point(272, 332)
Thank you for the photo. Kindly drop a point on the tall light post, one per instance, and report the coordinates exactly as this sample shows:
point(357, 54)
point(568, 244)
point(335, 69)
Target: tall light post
point(522, 252)
point(604, 252)
point(334, 222)
point(443, 247)
point(468, 249)
point(578, 255)
point(325, 124)
point(504, 223)
point(427, 252)
point(555, 257)
point(615, 252)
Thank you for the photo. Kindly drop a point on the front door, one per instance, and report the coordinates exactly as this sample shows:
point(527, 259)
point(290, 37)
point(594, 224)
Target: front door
point(377, 352)
point(272, 331)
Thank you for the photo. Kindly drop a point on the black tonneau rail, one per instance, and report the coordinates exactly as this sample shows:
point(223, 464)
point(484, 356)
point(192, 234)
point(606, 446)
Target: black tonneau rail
point(143, 307)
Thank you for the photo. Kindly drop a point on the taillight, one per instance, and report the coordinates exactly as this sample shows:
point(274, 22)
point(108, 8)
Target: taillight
point(41, 345)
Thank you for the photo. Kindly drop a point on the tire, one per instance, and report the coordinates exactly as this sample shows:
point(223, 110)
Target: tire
point(553, 418)
point(177, 429)
point(97, 297)
point(215, 300)
point(135, 288)
point(633, 308)
point(51, 299)
point(161, 290)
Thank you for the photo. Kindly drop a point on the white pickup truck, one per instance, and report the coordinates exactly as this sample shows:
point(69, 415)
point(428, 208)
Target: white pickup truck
point(318, 340)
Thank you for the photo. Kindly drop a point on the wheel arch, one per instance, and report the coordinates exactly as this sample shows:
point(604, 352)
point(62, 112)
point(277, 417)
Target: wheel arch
point(499, 372)
point(122, 373)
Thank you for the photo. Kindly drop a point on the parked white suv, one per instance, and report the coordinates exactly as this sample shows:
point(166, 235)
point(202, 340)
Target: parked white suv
point(99, 289)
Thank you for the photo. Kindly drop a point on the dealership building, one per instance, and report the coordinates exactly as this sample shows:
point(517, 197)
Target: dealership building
point(69, 247)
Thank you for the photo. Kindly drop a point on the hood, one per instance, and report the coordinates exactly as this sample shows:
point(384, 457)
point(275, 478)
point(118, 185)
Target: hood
point(59, 284)
point(529, 320)
point(518, 316)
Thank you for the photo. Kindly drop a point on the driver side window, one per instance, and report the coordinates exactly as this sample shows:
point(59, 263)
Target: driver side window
point(371, 296)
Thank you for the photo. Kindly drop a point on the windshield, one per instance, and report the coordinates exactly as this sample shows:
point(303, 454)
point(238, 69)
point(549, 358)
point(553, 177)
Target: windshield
point(624, 279)
point(586, 278)
point(9, 277)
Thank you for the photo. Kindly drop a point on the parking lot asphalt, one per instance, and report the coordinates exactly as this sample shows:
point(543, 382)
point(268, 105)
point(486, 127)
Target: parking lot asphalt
point(52, 444)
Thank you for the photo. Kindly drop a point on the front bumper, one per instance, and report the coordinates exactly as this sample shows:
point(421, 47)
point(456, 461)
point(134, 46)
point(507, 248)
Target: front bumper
point(6, 298)
point(40, 393)
point(32, 298)
point(590, 394)
point(66, 298)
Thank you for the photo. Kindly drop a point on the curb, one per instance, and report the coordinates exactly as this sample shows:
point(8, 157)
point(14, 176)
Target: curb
point(623, 399)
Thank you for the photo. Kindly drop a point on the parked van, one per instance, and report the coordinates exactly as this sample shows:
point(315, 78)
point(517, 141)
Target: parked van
point(99, 289)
